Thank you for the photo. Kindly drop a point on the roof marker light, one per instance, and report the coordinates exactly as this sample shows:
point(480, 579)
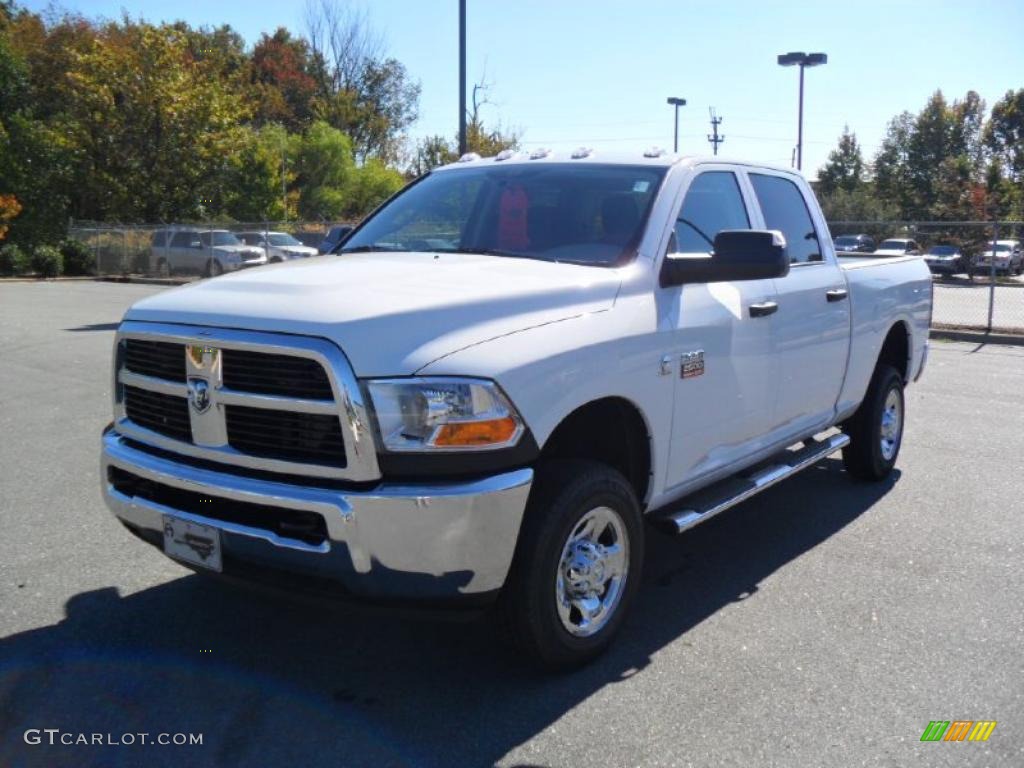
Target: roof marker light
point(538, 154)
point(582, 152)
point(654, 152)
point(469, 157)
point(505, 154)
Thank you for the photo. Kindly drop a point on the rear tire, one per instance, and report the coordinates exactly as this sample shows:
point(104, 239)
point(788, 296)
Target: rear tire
point(876, 429)
point(163, 269)
point(577, 566)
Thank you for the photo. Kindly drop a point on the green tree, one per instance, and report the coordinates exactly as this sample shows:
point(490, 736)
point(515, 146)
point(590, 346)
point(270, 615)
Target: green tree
point(34, 163)
point(153, 128)
point(845, 167)
point(257, 180)
point(362, 93)
point(1004, 134)
point(325, 170)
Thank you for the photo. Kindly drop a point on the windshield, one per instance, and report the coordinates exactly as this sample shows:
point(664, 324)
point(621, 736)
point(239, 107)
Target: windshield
point(893, 245)
point(584, 214)
point(218, 238)
point(942, 250)
point(846, 240)
point(1000, 248)
point(283, 239)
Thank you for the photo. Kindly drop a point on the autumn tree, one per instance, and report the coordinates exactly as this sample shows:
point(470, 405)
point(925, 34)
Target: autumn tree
point(283, 82)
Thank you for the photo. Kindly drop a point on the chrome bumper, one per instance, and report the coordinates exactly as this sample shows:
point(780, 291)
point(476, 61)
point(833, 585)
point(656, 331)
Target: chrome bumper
point(394, 541)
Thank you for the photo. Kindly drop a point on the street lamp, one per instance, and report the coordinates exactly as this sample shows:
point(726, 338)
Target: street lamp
point(677, 103)
point(462, 78)
point(798, 58)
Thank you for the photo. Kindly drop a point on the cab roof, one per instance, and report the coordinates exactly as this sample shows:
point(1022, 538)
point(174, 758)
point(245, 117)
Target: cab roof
point(585, 156)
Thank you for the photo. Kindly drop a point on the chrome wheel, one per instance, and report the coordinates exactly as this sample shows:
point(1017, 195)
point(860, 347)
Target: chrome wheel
point(892, 424)
point(592, 572)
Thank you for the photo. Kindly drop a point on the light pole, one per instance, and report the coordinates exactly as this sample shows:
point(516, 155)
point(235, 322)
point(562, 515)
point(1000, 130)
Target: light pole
point(462, 77)
point(803, 60)
point(677, 103)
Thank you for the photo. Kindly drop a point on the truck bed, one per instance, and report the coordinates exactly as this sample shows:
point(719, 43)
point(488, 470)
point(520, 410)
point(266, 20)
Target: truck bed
point(857, 260)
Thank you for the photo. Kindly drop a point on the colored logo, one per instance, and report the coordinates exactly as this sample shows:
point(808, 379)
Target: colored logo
point(958, 730)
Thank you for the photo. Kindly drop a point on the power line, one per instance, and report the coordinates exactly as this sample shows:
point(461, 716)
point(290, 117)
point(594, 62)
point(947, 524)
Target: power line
point(714, 137)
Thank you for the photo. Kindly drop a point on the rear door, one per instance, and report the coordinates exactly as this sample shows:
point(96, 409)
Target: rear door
point(812, 325)
point(179, 252)
point(717, 349)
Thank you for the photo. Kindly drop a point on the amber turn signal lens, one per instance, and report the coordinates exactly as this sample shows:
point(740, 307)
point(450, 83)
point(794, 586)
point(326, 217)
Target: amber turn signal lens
point(493, 432)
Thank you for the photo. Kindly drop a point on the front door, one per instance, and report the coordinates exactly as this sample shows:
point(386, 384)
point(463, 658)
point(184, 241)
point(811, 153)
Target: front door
point(718, 342)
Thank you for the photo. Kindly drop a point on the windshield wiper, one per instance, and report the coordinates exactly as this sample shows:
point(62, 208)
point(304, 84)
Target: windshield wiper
point(496, 252)
point(374, 247)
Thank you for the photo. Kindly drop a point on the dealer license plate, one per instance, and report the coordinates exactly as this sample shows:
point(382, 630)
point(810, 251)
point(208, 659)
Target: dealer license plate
point(194, 543)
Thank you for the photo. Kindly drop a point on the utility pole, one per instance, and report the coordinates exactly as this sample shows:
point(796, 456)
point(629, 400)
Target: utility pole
point(462, 77)
point(713, 137)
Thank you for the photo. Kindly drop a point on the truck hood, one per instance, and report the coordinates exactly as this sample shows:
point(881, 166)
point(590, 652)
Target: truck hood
point(391, 313)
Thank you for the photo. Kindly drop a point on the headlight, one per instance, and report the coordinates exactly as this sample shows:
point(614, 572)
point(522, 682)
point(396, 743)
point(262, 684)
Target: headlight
point(437, 414)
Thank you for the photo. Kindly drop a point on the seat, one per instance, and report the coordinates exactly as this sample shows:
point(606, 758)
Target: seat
point(619, 218)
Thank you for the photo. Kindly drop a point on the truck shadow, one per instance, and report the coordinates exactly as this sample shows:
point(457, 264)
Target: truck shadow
point(270, 681)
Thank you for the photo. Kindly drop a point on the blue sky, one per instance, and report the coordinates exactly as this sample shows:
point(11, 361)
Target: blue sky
point(597, 73)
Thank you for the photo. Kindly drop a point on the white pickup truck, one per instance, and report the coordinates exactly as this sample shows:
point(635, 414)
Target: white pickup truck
point(501, 375)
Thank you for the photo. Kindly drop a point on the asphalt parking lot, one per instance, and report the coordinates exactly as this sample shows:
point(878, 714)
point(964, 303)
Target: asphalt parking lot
point(824, 623)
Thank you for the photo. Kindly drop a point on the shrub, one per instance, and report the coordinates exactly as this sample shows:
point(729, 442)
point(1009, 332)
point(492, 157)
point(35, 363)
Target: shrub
point(46, 261)
point(78, 258)
point(13, 260)
point(140, 263)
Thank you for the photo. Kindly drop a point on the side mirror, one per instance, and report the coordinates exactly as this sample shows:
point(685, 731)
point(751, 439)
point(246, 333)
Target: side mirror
point(739, 254)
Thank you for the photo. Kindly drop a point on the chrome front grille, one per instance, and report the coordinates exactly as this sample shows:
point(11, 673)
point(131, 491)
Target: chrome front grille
point(307, 437)
point(155, 358)
point(271, 374)
point(166, 414)
point(257, 400)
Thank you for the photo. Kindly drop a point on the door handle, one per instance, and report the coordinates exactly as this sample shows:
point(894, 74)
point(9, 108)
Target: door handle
point(836, 294)
point(763, 309)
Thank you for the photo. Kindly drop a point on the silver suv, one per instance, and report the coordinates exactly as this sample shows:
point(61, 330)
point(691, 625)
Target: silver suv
point(208, 252)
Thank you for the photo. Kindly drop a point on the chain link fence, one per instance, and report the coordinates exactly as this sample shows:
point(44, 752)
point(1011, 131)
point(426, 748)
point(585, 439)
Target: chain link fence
point(978, 266)
point(183, 250)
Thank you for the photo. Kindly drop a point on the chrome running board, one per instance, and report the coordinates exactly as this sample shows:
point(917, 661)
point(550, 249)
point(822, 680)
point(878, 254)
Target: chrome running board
point(706, 503)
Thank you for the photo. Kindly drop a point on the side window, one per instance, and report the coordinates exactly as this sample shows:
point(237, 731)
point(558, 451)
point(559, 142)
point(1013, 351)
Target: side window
point(784, 209)
point(713, 203)
point(181, 240)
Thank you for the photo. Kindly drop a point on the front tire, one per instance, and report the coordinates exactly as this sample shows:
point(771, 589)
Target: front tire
point(876, 429)
point(577, 566)
point(213, 268)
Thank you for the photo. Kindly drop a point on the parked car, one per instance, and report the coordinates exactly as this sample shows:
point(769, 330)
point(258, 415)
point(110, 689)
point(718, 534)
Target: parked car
point(1005, 254)
point(854, 243)
point(946, 260)
point(334, 237)
point(207, 252)
point(488, 416)
point(898, 246)
point(278, 246)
